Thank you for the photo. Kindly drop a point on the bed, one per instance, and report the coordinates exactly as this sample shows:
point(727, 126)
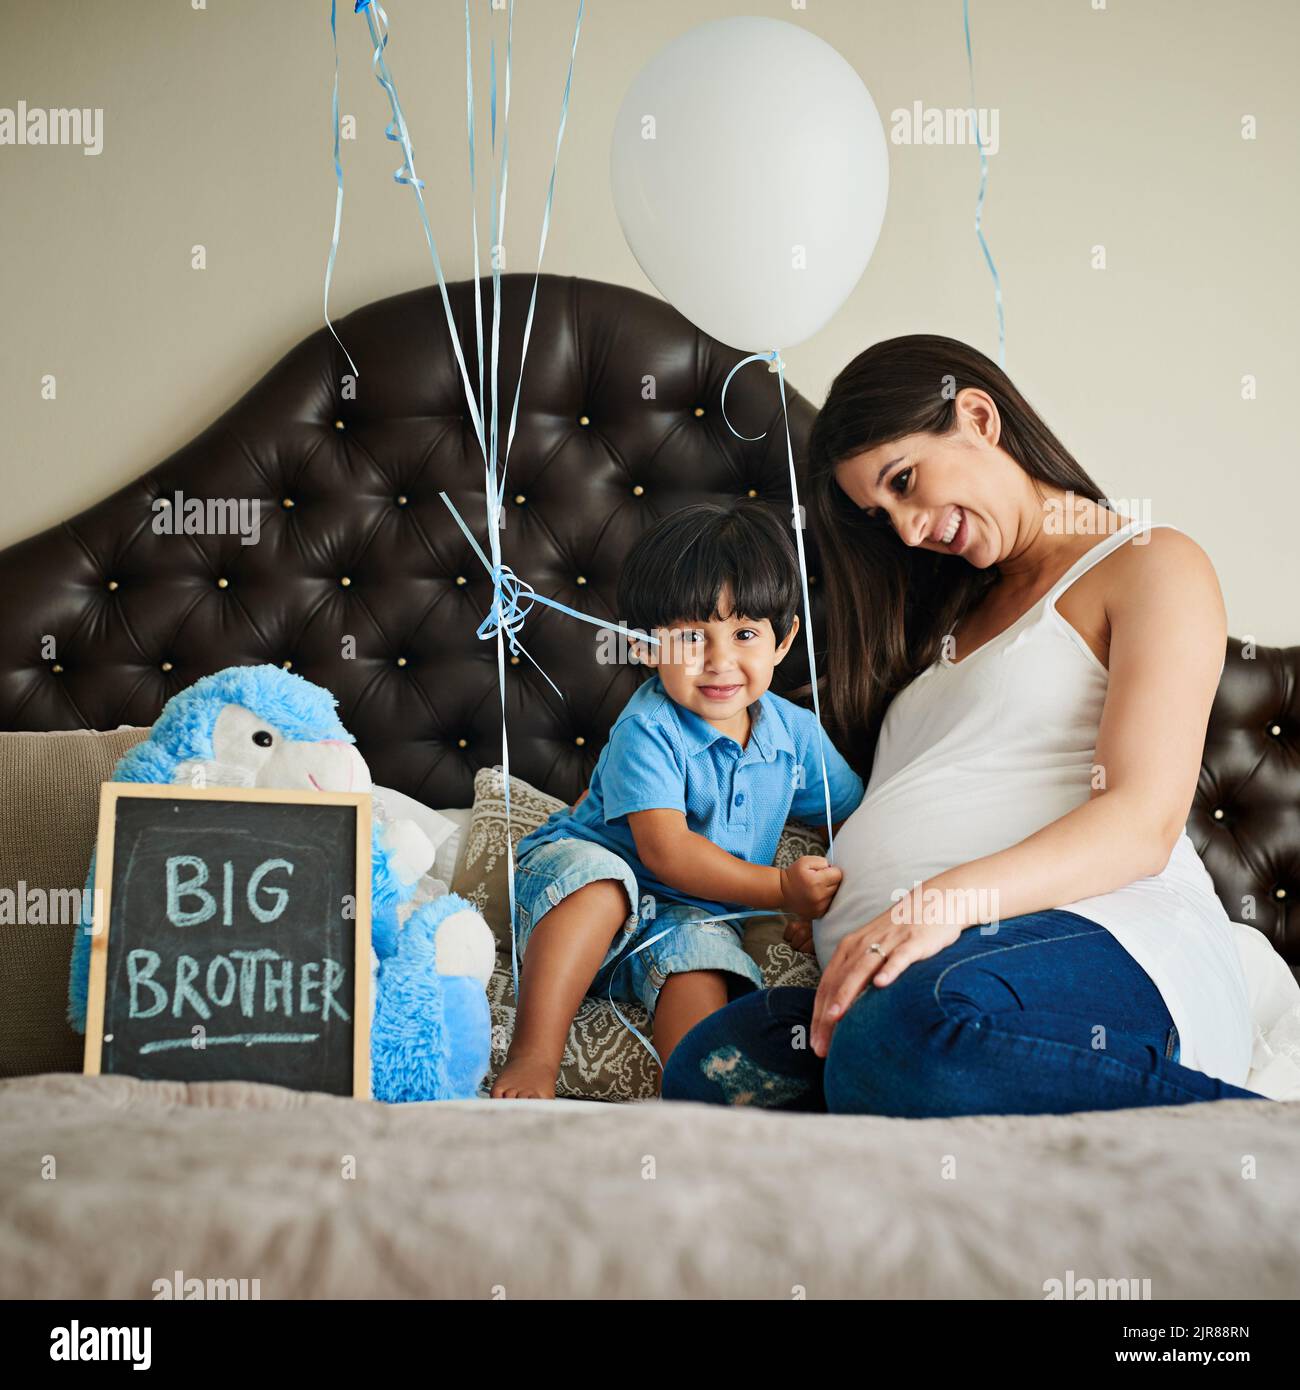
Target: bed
point(104, 618)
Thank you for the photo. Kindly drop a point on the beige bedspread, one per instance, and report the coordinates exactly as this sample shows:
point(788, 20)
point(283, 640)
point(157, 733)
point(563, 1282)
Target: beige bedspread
point(108, 1184)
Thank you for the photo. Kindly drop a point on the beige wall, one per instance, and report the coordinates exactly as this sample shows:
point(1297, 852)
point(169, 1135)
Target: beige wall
point(1120, 127)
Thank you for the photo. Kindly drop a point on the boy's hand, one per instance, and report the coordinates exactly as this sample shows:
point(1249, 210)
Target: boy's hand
point(809, 885)
point(800, 935)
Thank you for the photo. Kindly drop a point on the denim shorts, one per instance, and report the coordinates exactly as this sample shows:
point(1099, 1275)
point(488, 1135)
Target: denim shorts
point(546, 875)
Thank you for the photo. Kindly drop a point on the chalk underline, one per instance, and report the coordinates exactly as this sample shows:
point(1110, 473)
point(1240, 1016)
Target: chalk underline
point(244, 1039)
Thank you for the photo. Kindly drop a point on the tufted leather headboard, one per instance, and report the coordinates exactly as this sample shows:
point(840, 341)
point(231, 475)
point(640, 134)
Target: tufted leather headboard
point(619, 423)
point(1245, 819)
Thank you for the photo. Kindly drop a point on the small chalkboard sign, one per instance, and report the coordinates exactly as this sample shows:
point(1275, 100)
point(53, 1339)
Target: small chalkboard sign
point(232, 937)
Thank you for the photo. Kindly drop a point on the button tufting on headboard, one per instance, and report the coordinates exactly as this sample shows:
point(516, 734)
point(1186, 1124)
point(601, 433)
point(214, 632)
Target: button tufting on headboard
point(361, 581)
point(1245, 820)
point(108, 615)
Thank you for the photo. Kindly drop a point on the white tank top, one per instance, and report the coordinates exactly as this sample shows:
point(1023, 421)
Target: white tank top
point(975, 756)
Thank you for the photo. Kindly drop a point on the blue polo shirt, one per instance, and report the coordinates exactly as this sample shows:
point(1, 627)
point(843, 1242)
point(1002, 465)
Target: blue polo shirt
point(661, 754)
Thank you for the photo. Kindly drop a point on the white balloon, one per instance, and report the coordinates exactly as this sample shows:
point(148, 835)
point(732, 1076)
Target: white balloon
point(750, 172)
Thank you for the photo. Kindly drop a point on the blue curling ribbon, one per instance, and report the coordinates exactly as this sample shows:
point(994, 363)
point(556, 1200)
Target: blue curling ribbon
point(338, 201)
point(979, 201)
point(541, 245)
point(512, 598)
point(405, 173)
point(645, 945)
point(797, 519)
point(473, 201)
point(500, 187)
point(506, 616)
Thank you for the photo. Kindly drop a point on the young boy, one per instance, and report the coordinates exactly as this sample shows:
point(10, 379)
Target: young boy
point(686, 803)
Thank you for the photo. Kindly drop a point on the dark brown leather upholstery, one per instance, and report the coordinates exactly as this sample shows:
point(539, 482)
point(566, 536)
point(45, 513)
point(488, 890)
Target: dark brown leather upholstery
point(136, 616)
point(1245, 820)
point(619, 423)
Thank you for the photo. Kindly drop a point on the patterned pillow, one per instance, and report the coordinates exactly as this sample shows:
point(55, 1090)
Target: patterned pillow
point(602, 1061)
point(481, 868)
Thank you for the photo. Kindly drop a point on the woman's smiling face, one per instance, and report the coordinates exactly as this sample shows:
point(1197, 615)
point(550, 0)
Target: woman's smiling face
point(957, 494)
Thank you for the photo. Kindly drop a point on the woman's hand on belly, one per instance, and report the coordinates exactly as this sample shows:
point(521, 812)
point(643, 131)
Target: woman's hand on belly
point(855, 965)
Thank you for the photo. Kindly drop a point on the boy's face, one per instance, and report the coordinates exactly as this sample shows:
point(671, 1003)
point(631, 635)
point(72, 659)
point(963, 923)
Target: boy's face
point(719, 667)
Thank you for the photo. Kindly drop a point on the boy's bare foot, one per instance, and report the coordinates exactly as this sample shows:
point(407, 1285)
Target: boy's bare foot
point(525, 1079)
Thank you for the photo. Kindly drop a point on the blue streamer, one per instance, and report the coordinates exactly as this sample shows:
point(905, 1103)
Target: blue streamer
point(744, 362)
point(500, 188)
point(541, 245)
point(338, 200)
point(797, 519)
point(645, 945)
point(405, 173)
point(979, 201)
point(512, 597)
point(473, 204)
point(507, 614)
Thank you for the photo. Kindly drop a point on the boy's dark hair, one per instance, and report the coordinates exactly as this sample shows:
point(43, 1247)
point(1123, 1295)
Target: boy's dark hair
point(677, 569)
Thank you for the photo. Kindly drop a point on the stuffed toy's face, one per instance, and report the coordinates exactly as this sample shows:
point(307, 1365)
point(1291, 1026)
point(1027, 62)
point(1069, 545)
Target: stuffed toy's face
point(249, 751)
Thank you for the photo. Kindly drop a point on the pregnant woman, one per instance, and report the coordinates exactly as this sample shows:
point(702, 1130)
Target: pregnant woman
point(1023, 926)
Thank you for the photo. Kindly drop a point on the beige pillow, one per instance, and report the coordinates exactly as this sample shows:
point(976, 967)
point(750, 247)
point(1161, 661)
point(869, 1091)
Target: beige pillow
point(48, 820)
point(602, 1060)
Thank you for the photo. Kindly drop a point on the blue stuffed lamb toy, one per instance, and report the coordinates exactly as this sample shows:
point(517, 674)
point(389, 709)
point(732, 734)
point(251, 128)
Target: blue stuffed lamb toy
point(261, 726)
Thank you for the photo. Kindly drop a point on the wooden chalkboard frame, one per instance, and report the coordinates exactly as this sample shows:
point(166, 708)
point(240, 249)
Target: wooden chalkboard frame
point(112, 792)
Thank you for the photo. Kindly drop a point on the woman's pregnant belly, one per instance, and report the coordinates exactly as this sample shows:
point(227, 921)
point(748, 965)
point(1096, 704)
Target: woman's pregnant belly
point(933, 816)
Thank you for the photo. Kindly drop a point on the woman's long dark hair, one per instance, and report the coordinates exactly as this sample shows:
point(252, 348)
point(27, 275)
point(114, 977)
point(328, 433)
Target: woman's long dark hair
point(888, 605)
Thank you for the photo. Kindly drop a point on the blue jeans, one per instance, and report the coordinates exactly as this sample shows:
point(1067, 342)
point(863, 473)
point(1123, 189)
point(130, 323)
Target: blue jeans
point(1048, 1015)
